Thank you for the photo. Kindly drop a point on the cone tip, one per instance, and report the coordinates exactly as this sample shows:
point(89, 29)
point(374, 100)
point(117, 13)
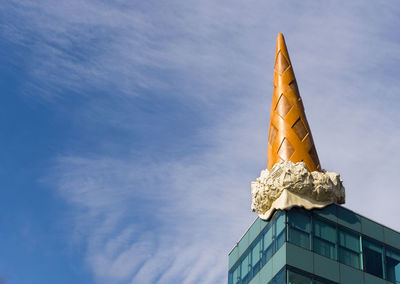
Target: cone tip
point(280, 40)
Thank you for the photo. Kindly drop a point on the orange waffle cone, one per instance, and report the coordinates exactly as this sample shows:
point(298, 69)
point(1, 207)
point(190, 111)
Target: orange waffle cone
point(289, 136)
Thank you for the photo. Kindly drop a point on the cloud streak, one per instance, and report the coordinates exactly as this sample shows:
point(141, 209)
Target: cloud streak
point(171, 215)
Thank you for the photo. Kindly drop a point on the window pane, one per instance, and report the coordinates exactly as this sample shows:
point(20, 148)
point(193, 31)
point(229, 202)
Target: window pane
point(245, 267)
point(299, 228)
point(279, 230)
point(393, 265)
point(349, 257)
point(373, 258)
point(299, 238)
point(256, 252)
point(280, 278)
point(299, 220)
point(279, 223)
point(349, 248)
point(268, 246)
point(324, 248)
point(236, 275)
point(256, 256)
point(325, 238)
point(325, 231)
point(322, 282)
point(267, 238)
point(349, 240)
point(280, 240)
point(295, 278)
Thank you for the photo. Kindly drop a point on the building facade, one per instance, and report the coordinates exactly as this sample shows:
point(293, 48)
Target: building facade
point(330, 245)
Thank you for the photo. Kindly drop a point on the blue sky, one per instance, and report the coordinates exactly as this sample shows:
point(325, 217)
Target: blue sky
point(131, 130)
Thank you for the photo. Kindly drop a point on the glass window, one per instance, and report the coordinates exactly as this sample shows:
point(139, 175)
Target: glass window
point(320, 281)
point(268, 245)
point(349, 248)
point(256, 256)
point(297, 278)
point(260, 251)
point(235, 278)
point(245, 269)
point(279, 228)
point(393, 265)
point(373, 258)
point(299, 228)
point(279, 278)
point(325, 238)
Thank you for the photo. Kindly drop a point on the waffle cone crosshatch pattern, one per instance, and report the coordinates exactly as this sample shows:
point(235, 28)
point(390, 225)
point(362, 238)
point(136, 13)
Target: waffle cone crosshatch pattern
point(290, 137)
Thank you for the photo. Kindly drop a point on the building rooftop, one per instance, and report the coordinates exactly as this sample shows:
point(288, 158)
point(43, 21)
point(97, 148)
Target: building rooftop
point(334, 244)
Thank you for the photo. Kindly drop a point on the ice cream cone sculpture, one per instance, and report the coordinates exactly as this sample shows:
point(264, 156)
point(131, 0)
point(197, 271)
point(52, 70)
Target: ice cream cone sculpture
point(289, 136)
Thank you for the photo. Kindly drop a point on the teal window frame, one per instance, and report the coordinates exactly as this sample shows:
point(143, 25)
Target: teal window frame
point(350, 247)
point(392, 271)
point(322, 239)
point(244, 269)
point(268, 244)
point(256, 255)
point(347, 239)
point(299, 231)
point(280, 224)
point(373, 257)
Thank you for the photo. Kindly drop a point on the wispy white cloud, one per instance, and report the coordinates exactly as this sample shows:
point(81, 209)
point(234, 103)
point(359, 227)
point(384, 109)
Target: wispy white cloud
point(147, 219)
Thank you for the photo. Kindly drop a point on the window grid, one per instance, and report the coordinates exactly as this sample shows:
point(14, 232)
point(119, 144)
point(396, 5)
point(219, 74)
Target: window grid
point(324, 240)
point(392, 264)
point(346, 254)
point(349, 247)
point(350, 252)
point(269, 242)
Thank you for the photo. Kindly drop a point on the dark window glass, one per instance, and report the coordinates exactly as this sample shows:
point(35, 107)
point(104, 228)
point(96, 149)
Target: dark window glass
point(349, 248)
point(279, 278)
point(393, 265)
point(373, 258)
point(325, 236)
point(297, 278)
point(319, 281)
point(299, 228)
